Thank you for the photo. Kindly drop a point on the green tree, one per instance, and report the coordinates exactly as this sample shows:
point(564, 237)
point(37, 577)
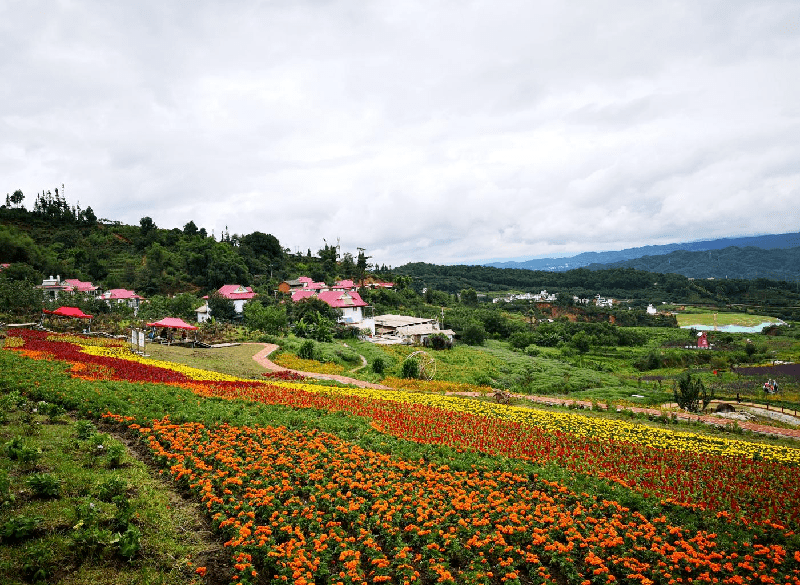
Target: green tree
point(87, 217)
point(315, 326)
point(473, 334)
point(183, 306)
point(269, 319)
point(312, 305)
point(16, 198)
point(361, 265)
point(469, 297)
point(348, 266)
point(222, 309)
point(19, 297)
point(581, 341)
point(410, 368)
point(17, 246)
point(691, 393)
point(146, 225)
point(190, 229)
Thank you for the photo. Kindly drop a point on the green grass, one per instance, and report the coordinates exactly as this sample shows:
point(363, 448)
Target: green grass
point(170, 531)
point(687, 318)
point(64, 542)
point(235, 360)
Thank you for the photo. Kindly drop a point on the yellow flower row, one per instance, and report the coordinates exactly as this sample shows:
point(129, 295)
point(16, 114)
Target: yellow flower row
point(568, 422)
point(580, 424)
point(85, 341)
point(12, 342)
point(293, 362)
point(434, 385)
point(123, 353)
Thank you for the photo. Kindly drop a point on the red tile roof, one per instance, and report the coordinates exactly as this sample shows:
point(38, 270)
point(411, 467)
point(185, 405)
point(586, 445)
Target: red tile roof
point(342, 299)
point(337, 299)
point(236, 292)
point(79, 285)
point(301, 294)
point(120, 293)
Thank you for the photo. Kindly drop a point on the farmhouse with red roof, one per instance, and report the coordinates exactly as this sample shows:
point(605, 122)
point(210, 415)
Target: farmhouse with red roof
point(55, 286)
point(122, 296)
point(349, 303)
point(235, 292)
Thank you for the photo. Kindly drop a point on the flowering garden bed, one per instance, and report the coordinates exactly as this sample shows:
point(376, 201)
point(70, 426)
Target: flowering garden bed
point(350, 485)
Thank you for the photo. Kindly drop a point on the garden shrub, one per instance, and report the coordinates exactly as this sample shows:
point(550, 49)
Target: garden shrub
point(44, 485)
point(690, 393)
point(473, 334)
point(306, 350)
point(410, 369)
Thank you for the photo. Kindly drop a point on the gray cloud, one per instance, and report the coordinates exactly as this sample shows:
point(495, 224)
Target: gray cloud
point(424, 131)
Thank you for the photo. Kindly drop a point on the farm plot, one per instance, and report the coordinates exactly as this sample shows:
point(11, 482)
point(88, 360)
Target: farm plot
point(296, 503)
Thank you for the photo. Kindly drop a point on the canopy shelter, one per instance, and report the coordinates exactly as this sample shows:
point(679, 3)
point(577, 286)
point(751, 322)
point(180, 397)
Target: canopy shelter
point(172, 323)
point(71, 312)
point(68, 312)
point(168, 324)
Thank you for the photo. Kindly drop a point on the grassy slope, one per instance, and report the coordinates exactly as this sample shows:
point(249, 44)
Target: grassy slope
point(173, 532)
point(695, 317)
point(234, 360)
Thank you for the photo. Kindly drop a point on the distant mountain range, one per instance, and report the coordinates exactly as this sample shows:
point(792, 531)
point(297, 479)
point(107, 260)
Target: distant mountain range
point(621, 258)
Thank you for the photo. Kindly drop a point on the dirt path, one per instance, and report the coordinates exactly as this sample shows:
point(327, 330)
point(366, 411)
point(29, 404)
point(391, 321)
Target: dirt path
point(262, 358)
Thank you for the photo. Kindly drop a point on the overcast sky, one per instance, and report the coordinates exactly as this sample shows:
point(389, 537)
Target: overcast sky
point(436, 131)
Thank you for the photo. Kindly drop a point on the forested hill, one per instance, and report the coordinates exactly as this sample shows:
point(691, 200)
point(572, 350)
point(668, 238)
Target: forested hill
point(731, 262)
point(57, 239)
point(617, 257)
point(619, 283)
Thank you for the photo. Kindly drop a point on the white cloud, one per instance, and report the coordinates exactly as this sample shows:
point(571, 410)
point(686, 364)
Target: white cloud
point(424, 131)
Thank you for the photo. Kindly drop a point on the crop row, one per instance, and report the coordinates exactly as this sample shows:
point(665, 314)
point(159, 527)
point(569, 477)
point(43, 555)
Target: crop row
point(751, 482)
point(296, 506)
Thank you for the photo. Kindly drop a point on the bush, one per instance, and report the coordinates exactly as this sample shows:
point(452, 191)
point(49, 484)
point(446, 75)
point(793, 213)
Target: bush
point(438, 341)
point(690, 393)
point(44, 485)
point(410, 369)
point(473, 334)
point(532, 350)
point(378, 365)
point(112, 487)
point(306, 350)
point(652, 361)
point(128, 544)
point(19, 528)
point(84, 429)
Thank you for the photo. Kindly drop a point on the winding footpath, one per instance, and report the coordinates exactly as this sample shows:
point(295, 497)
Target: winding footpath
point(262, 358)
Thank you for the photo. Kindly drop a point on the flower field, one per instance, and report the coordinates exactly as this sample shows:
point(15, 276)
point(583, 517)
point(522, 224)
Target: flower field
point(490, 493)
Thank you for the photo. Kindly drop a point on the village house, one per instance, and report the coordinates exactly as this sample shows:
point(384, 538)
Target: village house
point(301, 283)
point(237, 293)
point(121, 296)
point(404, 329)
point(542, 297)
point(348, 302)
point(55, 286)
point(603, 302)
